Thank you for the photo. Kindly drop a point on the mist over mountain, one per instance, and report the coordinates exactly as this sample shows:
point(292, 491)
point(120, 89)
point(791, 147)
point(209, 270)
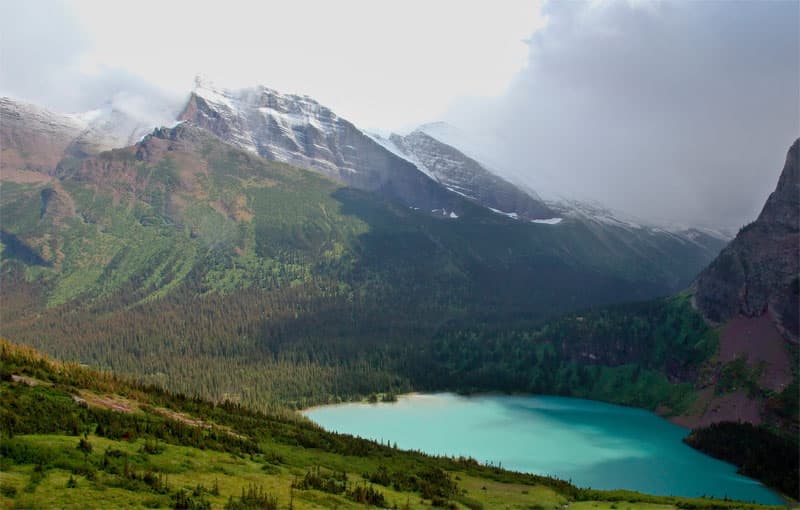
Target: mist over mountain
point(670, 111)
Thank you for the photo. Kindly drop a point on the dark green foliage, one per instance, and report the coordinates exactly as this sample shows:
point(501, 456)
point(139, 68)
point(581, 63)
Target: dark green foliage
point(184, 500)
point(85, 446)
point(631, 354)
point(737, 375)
point(152, 447)
point(56, 412)
point(26, 410)
point(15, 249)
point(7, 490)
point(787, 403)
point(18, 452)
point(332, 482)
point(366, 495)
point(759, 452)
point(253, 498)
point(432, 483)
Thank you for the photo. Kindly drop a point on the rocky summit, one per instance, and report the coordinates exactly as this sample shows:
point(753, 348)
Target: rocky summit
point(299, 131)
point(757, 273)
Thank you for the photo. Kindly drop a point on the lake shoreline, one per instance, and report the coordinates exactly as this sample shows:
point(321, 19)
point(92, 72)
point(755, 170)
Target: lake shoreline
point(410, 424)
point(686, 421)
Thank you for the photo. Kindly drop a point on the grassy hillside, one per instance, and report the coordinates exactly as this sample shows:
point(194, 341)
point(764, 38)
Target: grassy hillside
point(76, 438)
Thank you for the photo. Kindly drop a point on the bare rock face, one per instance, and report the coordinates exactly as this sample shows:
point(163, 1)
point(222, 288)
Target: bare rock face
point(466, 176)
point(299, 131)
point(758, 271)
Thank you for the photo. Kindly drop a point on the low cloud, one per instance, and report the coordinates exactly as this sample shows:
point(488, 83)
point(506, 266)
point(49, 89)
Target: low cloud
point(45, 59)
point(672, 111)
point(381, 66)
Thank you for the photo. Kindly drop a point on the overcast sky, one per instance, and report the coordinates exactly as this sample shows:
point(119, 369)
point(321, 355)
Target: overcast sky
point(384, 65)
point(672, 111)
point(678, 112)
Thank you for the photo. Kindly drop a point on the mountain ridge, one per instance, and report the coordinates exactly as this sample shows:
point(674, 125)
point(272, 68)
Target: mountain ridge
point(298, 130)
point(463, 175)
point(757, 272)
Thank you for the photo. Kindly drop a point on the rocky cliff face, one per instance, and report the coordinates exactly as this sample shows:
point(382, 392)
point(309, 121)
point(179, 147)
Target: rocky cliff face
point(466, 176)
point(757, 272)
point(299, 131)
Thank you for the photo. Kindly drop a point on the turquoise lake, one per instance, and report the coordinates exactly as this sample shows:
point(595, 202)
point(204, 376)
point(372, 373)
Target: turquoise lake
point(592, 444)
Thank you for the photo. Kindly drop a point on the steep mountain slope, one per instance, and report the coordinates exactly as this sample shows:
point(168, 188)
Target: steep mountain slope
point(299, 131)
point(671, 247)
point(455, 160)
point(751, 291)
point(758, 272)
point(465, 176)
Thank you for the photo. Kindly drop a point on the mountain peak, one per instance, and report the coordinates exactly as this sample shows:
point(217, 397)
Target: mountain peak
point(757, 273)
point(258, 96)
point(464, 175)
point(300, 131)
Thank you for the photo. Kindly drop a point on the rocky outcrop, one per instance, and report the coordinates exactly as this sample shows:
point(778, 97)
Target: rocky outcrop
point(466, 176)
point(299, 131)
point(757, 272)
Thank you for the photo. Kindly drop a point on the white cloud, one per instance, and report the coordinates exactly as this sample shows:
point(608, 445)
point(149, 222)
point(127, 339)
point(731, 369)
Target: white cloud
point(673, 111)
point(384, 65)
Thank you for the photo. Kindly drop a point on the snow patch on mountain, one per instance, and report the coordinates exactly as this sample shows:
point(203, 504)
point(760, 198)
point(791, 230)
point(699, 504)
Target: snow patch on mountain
point(511, 215)
point(301, 132)
point(464, 175)
point(548, 221)
point(389, 145)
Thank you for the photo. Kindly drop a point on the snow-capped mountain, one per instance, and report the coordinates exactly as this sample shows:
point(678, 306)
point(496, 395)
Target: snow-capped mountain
point(464, 175)
point(423, 143)
point(36, 139)
point(33, 138)
point(299, 131)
